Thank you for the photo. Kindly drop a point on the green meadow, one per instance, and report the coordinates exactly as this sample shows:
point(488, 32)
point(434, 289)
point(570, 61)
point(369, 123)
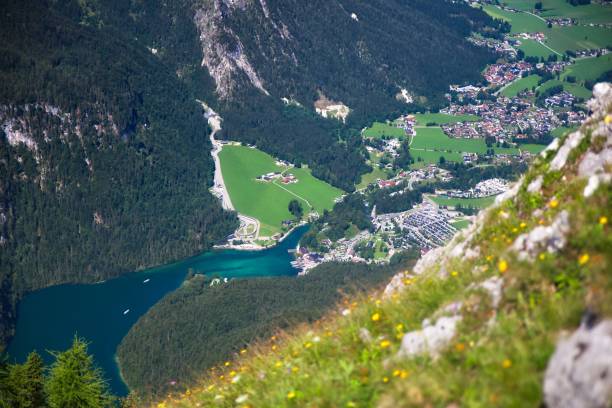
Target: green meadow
point(589, 68)
point(560, 131)
point(423, 119)
point(532, 48)
point(521, 22)
point(268, 201)
point(522, 84)
point(379, 129)
point(589, 13)
point(464, 202)
point(573, 88)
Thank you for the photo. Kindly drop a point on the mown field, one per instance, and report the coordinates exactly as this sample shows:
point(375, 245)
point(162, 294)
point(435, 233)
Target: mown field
point(573, 88)
point(532, 48)
point(268, 201)
point(589, 68)
point(522, 84)
point(464, 202)
point(423, 119)
point(558, 38)
point(379, 129)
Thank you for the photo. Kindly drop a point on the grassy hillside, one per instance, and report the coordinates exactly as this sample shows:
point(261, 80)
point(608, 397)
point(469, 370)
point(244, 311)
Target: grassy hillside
point(268, 201)
point(474, 323)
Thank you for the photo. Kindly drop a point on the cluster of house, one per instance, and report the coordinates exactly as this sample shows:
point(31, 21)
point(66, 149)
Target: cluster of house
point(537, 36)
point(283, 178)
point(408, 123)
point(485, 188)
point(501, 74)
point(591, 53)
point(561, 21)
point(468, 90)
point(503, 119)
point(561, 100)
point(504, 47)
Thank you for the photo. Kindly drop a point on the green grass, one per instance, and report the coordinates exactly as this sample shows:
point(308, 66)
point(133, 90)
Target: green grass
point(532, 148)
point(561, 131)
point(268, 202)
point(558, 38)
point(590, 13)
point(461, 224)
point(441, 118)
point(382, 129)
point(532, 48)
point(589, 68)
point(573, 88)
point(521, 22)
point(464, 202)
point(522, 84)
point(368, 178)
point(577, 37)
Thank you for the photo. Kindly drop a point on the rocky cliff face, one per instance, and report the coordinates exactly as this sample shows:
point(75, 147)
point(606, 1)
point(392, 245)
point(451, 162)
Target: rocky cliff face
point(515, 311)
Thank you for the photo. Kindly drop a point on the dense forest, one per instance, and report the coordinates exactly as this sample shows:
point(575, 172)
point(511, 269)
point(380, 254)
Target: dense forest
point(170, 343)
point(116, 173)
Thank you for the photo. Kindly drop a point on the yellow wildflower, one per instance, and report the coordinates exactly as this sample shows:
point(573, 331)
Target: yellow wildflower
point(404, 374)
point(523, 225)
point(243, 351)
point(502, 266)
point(507, 363)
point(603, 220)
point(232, 373)
point(291, 395)
point(608, 119)
point(542, 256)
point(384, 344)
point(308, 344)
point(378, 302)
point(584, 258)
point(454, 273)
point(295, 369)
point(554, 203)
point(227, 363)
point(396, 373)
point(515, 230)
point(385, 379)
point(459, 347)
point(351, 404)
point(274, 347)
point(399, 327)
point(376, 317)
point(278, 364)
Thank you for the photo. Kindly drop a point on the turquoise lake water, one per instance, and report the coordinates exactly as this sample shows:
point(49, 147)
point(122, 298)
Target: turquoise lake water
point(48, 319)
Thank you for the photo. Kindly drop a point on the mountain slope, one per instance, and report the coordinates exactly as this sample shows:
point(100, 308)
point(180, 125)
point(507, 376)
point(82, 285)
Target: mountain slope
point(475, 323)
point(104, 157)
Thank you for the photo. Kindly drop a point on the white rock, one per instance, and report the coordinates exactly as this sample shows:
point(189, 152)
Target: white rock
point(536, 185)
point(572, 141)
point(431, 340)
point(551, 238)
point(493, 286)
point(579, 374)
point(591, 186)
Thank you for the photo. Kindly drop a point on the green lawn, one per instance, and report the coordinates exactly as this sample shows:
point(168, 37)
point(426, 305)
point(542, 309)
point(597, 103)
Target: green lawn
point(461, 224)
point(577, 37)
point(382, 129)
point(573, 88)
point(433, 138)
point(442, 118)
point(590, 13)
point(589, 68)
point(464, 202)
point(521, 22)
point(521, 85)
point(532, 148)
point(558, 38)
point(268, 201)
point(368, 178)
point(560, 131)
point(532, 48)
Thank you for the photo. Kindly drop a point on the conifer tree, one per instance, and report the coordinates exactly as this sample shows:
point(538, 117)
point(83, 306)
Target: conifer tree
point(74, 381)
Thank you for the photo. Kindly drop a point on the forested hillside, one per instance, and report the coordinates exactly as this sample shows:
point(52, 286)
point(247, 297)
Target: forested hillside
point(105, 158)
point(168, 348)
point(105, 161)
